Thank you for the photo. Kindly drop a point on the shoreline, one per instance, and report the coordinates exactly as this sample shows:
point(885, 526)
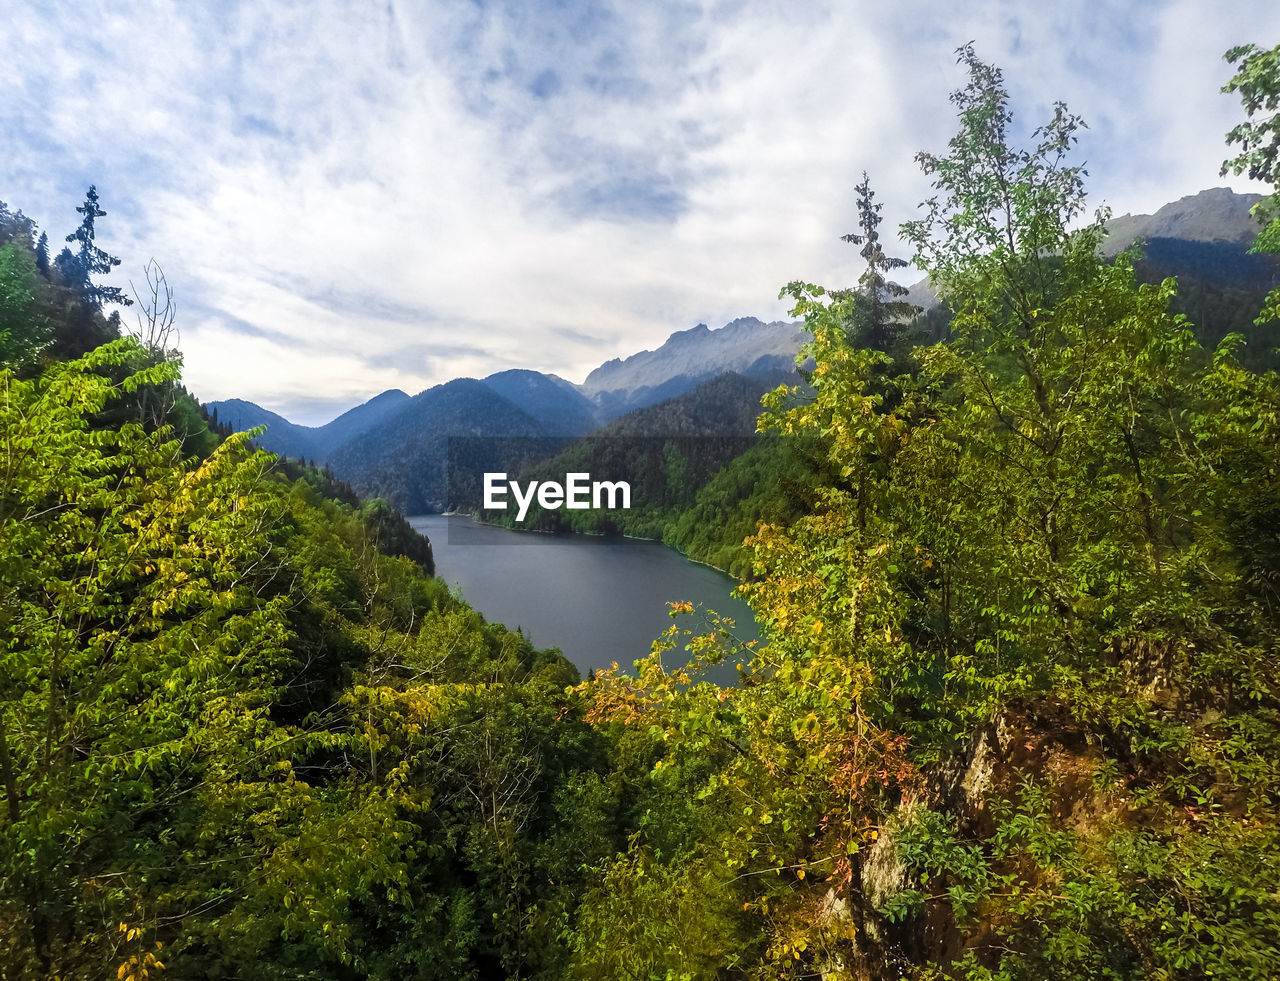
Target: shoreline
point(576, 534)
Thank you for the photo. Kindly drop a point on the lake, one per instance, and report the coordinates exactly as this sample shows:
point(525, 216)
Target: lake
point(597, 599)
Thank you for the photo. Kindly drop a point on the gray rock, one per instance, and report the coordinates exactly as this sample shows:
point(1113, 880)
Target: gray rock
point(695, 355)
point(1216, 215)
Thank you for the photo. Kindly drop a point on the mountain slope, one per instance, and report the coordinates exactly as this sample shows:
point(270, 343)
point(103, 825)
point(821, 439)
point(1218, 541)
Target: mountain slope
point(405, 459)
point(665, 452)
point(745, 346)
point(726, 405)
point(307, 442)
point(556, 404)
point(359, 420)
point(281, 436)
point(1217, 214)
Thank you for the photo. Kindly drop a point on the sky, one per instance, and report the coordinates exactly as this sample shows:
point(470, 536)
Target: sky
point(352, 197)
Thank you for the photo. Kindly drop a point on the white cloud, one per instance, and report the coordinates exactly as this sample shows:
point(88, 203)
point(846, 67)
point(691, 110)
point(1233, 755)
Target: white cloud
point(352, 183)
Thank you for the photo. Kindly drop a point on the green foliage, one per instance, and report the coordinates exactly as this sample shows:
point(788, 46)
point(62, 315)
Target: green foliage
point(772, 482)
point(1016, 691)
point(392, 534)
point(648, 919)
point(25, 328)
point(1258, 83)
point(132, 648)
point(237, 738)
point(45, 314)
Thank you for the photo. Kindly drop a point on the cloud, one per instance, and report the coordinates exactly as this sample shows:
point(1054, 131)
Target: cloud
point(350, 197)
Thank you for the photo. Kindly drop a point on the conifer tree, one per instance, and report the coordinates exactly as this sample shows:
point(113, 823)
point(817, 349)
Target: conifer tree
point(42, 255)
point(93, 259)
point(879, 310)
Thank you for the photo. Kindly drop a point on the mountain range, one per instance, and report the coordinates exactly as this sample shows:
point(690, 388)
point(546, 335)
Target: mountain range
point(1218, 214)
point(745, 347)
point(1178, 237)
point(307, 442)
point(396, 446)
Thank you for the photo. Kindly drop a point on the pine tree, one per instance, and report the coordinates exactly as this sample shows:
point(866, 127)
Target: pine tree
point(879, 310)
point(42, 255)
point(93, 259)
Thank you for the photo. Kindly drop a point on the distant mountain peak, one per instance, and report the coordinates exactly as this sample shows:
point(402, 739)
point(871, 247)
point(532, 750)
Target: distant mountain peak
point(558, 406)
point(746, 345)
point(1216, 214)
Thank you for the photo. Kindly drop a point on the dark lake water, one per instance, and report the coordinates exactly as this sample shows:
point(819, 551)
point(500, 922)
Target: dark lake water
point(597, 599)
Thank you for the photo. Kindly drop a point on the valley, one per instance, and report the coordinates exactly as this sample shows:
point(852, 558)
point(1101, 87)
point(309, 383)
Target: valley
point(929, 634)
point(698, 395)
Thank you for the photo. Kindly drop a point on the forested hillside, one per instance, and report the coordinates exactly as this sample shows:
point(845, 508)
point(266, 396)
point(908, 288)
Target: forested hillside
point(665, 452)
point(1018, 715)
point(238, 737)
point(1015, 714)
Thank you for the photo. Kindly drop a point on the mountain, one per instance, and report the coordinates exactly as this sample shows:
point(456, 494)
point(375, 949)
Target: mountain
point(406, 458)
point(307, 442)
point(745, 346)
point(556, 404)
point(1216, 217)
point(665, 452)
point(1218, 214)
point(1203, 240)
point(281, 436)
point(921, 294)
point(405, 454)
point(704, 384)
point(726, 405)
point(362, 418)
point(396, 447)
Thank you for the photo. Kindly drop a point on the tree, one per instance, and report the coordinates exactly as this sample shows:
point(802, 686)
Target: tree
point(15, 226)
point(1003, 214)
point(1258, 83)
point(1030, 570)
point(92, 259)
point(157, 335)
point(879, 310)
point(68, 272)
point(25, 328)
point(1034, 529)
point(126, 632)
point(42, 255)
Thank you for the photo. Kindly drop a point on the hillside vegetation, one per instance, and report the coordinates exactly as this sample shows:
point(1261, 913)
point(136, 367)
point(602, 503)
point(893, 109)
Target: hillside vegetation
point(1015, 716)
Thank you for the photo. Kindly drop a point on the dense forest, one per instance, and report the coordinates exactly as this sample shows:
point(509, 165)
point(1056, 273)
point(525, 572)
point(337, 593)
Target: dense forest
point(1015, 715)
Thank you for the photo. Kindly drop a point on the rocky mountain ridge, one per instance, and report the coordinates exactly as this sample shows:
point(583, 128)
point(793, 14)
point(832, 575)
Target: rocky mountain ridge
point(378, 445)
point(1217, 214)
point(746, 346)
